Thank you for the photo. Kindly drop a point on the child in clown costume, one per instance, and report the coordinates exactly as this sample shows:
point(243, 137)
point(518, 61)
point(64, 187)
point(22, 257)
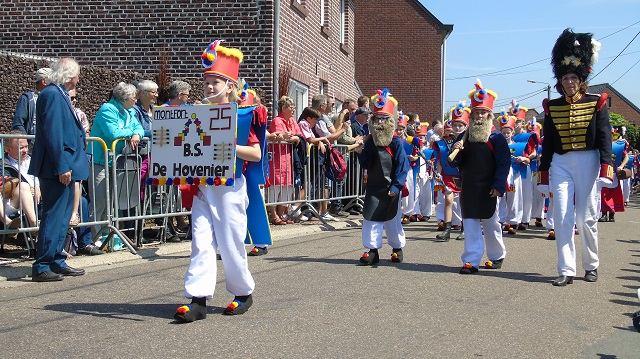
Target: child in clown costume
point(219, 210)
point(510, 205)
point(387, 165)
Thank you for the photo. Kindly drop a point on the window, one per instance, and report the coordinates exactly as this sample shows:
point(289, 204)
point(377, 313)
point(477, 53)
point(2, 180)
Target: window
point(343, 21)
point(299, 93)
point(300, 6)
point(323, 88)
point(323, 14)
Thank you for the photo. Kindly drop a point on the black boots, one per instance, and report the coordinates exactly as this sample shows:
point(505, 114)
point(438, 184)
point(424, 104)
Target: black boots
point(445, 236)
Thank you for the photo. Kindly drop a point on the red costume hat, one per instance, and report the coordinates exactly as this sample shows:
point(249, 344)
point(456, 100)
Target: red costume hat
point(507, 121)
point(534, 127)
point(460, 113)
point(221, 61)
point(247, 96)
point(517, 110)
point(384, 103)
point(481, 97)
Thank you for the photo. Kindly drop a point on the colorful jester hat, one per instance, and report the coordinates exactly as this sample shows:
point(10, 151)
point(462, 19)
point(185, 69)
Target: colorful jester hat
point(384, 103)
point(481, 97)
point(506, 120)
point(403, 120)
point(517, 110)
point(221, 61)
point(574, 53)
point(534, 127)
point(461, 113)
point(246, 95)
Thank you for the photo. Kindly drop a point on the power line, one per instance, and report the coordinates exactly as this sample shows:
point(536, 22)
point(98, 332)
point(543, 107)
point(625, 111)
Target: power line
point(523, 98)
point(629, 69)
point(534, 62)
point(614, 59)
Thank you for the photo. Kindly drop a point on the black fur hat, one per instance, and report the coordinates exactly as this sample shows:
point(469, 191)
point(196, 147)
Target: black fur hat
point(574, 53)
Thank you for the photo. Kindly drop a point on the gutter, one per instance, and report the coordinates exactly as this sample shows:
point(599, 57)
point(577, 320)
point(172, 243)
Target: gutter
point(276, 56)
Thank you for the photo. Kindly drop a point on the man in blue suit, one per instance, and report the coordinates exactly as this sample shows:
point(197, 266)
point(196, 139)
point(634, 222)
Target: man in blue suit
point(59, 160)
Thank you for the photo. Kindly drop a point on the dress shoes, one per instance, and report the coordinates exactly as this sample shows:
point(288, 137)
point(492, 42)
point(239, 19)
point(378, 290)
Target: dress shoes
point(70, 271)
point(591, 275)
point(47, 276)
point(562, 281)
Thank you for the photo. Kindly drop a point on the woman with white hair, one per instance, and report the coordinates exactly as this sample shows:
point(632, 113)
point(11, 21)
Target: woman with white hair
point(114, 120)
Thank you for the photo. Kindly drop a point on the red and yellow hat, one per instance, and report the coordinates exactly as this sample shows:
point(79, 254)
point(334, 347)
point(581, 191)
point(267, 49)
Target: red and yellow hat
point(534, 127)
point(506, 120)
point(221, 61)
point(461, 113)
point(481, 97)
point(517, 110)
point(247, 96)
point(384, 103)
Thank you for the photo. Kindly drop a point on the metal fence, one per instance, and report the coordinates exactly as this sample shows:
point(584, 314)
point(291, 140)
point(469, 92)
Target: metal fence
point(123, 202)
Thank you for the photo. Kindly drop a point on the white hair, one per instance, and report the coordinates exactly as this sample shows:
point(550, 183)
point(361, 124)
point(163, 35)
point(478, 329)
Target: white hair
point(147, 85)
point(177, 87)
point(63, 70)
point(124, 91)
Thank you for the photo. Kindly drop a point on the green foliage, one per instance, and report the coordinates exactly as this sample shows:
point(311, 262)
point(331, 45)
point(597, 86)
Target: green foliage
point(633, 132)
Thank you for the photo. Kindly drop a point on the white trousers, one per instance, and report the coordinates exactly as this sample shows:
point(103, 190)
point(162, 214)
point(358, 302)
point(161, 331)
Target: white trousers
point(372, 232)
point(549, 224)
point(510, 205)
point(456, 217)
point(426, 198)
point(410, 203)
point(537, 202)
point(527, 196)
point(626, 188)
point(479, 233)
point(219, 216)
point(572, 179)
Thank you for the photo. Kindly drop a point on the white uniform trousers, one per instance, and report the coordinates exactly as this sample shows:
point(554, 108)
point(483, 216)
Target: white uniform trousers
point(527, 196)
point(426, 198)
point(219, 216)
point(410, 204)
point(572, 179)
point(549, 223)
point(626, 188)
point(456, 217)
point(477, 234)
point(537, 203)
point(512, 201)
point(372, 232)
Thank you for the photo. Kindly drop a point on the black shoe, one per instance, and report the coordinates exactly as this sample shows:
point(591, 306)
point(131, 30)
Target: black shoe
point(445, 236)
point(551, 236)
point(47, 276)
point(190, 313)
point(604, 218)
point(338, 212)
point(496, 264)
point(562, 280)
point(258, 251)
point(396, 255)
point(237, 306)
point(370, 258)
point(467, 268)
point(538, 223)
point(612, 217)
point(174, 239)
point(460, 237)
point(636, 320)
point(591, 275)
point(70, 271)
point(90, 250)
point(354, 212)
point(522, 226)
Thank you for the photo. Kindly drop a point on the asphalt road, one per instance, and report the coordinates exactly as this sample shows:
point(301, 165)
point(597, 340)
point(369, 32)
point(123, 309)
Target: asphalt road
point(312, 300)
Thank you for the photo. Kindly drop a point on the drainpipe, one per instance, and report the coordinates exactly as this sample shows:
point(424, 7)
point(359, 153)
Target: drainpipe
point(276, 55)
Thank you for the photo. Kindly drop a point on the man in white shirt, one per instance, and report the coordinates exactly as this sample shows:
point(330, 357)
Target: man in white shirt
point(27, 194)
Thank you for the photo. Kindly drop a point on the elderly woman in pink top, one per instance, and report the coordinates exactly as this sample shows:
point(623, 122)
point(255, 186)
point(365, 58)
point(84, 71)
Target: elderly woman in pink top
point(284, 127)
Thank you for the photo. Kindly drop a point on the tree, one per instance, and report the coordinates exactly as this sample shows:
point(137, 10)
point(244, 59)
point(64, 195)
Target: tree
point(633, 132)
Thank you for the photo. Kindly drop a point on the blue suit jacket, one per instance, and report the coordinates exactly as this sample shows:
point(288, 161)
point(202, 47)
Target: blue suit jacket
point(60, 140)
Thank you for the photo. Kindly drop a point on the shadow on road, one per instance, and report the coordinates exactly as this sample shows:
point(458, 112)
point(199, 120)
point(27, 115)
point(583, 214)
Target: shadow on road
point(123, 311)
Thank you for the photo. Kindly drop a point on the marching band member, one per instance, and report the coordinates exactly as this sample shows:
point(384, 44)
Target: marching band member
point(387, 165)
point(576, 153)
point(612, 198)
point(537, 202)
point(220, 212)
point(525, 144)
point(510, 205)
point(484, 159)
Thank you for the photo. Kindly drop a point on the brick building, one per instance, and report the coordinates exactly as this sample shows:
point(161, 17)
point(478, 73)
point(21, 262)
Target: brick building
point(618, 103)
point(402, 47)
point(312, 38)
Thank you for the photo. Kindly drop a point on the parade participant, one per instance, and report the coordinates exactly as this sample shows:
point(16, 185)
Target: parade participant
point(483, 159)
point(525, 144)
point(510, 205)
point(220, 212)
point(415, 177)
point(386, 163)
point(537, 202)
point(576, 153)
point(612, 197)
point(449, 175)
point(425, 199)
point(627, 182)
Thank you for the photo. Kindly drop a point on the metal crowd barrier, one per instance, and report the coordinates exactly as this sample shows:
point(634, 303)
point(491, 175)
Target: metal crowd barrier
point(129, 203)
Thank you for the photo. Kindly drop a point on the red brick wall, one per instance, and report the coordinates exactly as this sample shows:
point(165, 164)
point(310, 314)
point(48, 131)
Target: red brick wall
point(314, 54)
point(621, 107)
point(399, 47)
point(131, 35)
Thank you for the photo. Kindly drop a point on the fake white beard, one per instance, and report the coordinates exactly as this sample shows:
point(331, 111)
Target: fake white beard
point(382, 133)
point(479, 132)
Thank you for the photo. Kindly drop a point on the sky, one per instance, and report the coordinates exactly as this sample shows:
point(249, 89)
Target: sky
point(495, 35)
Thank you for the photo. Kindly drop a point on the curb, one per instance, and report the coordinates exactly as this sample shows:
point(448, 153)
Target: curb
point(22, 269)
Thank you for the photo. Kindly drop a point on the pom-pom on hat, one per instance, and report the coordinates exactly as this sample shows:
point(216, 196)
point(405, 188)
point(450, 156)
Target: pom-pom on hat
point(574, 53)
point(534, 127)
point(481, 97)
point(246, 95)
point(384, 103)
point(517, 110)
point(461, 113)
point(221, 61)
point(506, 120)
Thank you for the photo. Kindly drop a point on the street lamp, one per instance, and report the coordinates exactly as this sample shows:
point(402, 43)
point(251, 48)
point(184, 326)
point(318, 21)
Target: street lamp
point(544, 83)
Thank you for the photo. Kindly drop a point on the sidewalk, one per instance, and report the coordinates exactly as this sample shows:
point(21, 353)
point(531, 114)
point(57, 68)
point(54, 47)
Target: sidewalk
point(21, 269)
